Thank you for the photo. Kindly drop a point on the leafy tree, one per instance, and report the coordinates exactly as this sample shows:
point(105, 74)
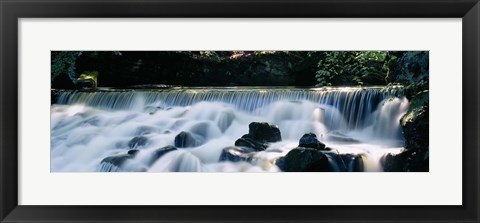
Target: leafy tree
point(64, 62)
point(352, 68)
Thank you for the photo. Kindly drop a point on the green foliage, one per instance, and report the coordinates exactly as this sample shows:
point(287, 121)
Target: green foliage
point(64, 62)
point(352, 68)
point(212, 55)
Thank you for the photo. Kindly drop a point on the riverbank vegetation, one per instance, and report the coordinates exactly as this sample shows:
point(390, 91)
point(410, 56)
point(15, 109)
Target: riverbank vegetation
point(243, 68)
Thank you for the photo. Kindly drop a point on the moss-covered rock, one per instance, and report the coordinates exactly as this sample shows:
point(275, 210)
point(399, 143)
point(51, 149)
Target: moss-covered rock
point(415, 123)
point(87, 80)
point(415, 128)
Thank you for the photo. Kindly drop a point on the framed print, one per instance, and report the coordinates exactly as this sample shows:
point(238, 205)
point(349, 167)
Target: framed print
point(226, 111)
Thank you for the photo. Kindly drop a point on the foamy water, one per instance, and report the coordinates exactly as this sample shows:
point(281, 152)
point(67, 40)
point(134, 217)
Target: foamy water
point(88, 127)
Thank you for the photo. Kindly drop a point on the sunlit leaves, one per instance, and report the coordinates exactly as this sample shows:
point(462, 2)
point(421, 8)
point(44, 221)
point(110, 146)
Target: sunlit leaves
point(352, 68)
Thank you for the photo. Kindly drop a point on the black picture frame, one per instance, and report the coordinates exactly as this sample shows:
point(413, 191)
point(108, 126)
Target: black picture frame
point(12, 10)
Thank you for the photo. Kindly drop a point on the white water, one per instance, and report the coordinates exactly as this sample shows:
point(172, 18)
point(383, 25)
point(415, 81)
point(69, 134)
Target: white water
point(87, 127)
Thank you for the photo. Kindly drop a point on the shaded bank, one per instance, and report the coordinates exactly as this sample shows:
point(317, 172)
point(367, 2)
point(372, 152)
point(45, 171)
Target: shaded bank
point(225, 68)
point(73, 69)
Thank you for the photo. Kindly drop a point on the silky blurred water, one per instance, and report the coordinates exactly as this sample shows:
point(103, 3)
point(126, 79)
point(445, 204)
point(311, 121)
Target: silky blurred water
point(86, 127)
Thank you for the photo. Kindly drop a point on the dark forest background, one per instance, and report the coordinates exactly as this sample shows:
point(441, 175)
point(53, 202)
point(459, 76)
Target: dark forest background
point(124, 69)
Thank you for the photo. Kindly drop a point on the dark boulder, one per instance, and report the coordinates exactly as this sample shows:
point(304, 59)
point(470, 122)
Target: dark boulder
point(186, 139)
point(357, 164)
point(119, 160)
point(310, 140)
point(264, 132)
point(133, 151)
point(236, 154)
point(248, 142)
point(415, 127)
point(117, 163)
point(303, 159)
point(280, 162)
point(260, 134)
point(393, 162)
point(137, 141)
point(341, 161)
point(159, 153)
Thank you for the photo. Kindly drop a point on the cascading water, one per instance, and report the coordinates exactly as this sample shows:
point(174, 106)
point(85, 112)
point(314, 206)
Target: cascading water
point(87, 127)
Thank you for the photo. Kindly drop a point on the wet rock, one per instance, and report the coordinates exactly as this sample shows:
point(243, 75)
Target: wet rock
point(187, 139)
point(393, 162)
point(357, 164)
point(341, 162)
point(86, 84)
point(248, 142)
point(160, 152)
point(303, 159)
point(280, 162)
point(415, 127)
point(133, 151)
point(310, 140)
point(264, 132)
point(118, 160)
point(137, 141)
point(236, 154)
point(260, 134)
point(151, 110)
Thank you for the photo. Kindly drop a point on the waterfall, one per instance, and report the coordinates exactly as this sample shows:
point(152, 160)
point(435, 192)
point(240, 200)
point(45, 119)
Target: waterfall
point(89, 126)
point(353, 104)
